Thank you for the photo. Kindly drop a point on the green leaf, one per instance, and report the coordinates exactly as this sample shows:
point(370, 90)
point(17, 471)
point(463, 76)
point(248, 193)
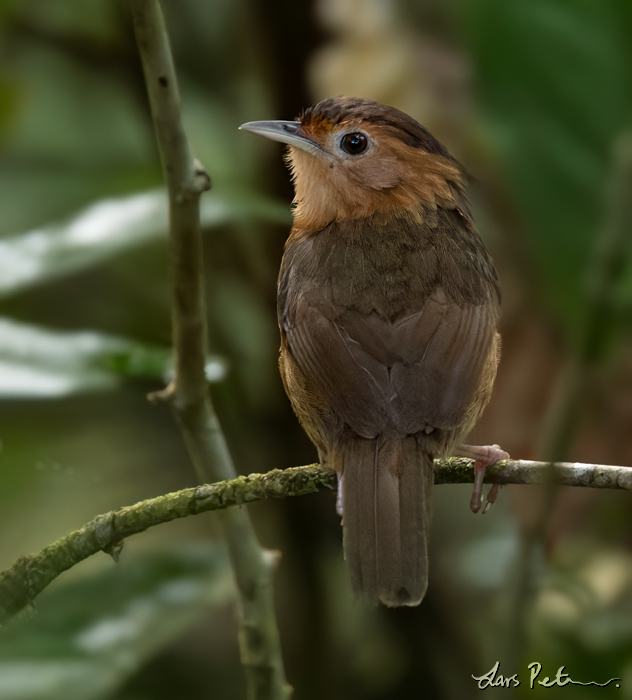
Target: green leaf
point(557, 92)
point(89, 636)
point(40, 363)
point(92, 20)
point(109, 227)
point(10, 97)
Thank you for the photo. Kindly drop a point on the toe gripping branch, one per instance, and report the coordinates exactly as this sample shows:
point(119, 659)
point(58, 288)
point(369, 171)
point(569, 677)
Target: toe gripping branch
point(484, 456)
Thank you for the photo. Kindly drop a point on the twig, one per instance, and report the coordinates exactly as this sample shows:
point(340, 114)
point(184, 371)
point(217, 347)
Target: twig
point(29, 576)
point(259, 642)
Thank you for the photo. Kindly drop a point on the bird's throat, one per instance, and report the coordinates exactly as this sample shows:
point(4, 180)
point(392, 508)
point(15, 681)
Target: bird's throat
point(327, 190)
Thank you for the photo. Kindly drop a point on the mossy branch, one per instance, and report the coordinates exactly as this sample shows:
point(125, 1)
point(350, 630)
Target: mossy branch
point(28, 577)
point(186, 179)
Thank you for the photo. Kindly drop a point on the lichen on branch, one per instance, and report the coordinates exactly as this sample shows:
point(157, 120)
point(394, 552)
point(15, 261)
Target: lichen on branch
point(29, 576)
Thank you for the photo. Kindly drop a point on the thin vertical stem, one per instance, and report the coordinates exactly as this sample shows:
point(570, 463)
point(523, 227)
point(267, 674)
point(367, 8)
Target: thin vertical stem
point(188, 393)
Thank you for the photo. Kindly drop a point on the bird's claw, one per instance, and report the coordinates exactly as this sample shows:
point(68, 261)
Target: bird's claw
point(485, 456)
point(339, 508)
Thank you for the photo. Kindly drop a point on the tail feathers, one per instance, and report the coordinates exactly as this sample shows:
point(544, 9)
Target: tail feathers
point(386, 492)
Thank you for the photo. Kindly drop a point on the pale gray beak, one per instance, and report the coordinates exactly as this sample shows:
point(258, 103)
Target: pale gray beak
point(285, 132)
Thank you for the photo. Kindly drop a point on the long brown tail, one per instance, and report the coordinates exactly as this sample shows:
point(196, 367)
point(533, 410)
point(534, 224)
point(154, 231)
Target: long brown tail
point(386, 498)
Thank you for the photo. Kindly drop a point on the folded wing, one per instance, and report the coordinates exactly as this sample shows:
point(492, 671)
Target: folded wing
point(418, 372)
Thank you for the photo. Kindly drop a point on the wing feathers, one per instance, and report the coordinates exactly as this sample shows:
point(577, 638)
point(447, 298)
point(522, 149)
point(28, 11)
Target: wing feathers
point(420, 370)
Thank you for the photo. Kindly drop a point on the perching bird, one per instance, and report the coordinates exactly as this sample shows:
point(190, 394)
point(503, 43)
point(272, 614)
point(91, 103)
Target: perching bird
point(388, 305)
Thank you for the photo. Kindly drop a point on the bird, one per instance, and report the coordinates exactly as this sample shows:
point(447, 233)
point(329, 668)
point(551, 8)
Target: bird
point(388, 309)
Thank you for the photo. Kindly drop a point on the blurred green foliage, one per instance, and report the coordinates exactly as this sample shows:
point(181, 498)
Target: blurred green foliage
point(534, 96)
point(91, 636)
point(556, 90)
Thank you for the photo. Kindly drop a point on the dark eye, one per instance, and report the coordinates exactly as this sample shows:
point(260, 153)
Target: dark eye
point(354, 143)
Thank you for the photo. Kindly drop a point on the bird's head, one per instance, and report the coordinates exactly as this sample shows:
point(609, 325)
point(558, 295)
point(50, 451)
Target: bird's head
point(352, 158)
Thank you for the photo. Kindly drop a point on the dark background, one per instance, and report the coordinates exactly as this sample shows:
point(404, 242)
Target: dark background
point(534, 97)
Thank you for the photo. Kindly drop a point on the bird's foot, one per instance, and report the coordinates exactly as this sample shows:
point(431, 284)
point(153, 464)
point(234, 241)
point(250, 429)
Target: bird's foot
point(339, 508)
point(484, 456)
